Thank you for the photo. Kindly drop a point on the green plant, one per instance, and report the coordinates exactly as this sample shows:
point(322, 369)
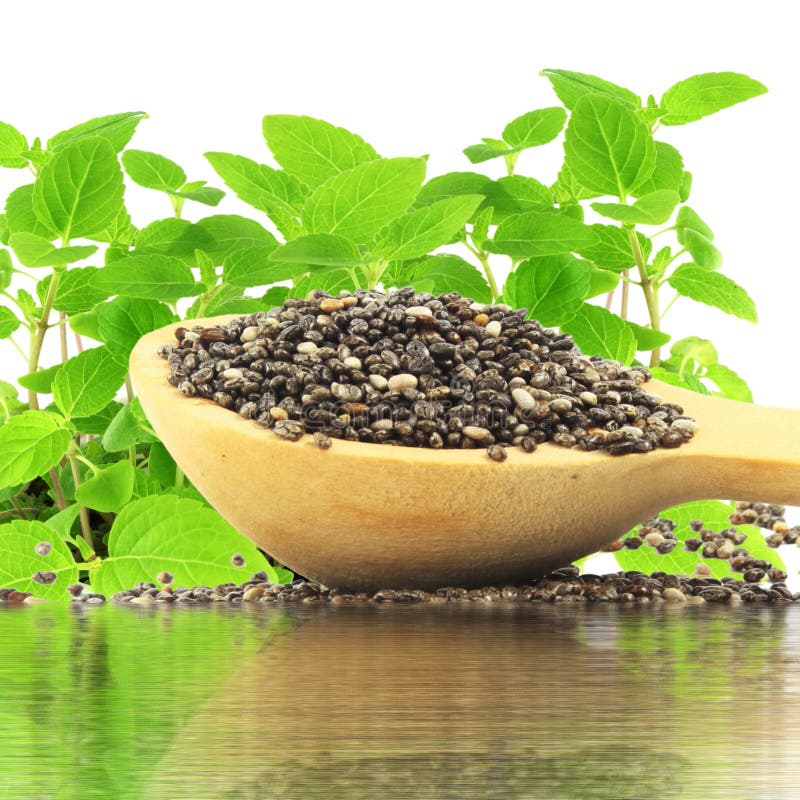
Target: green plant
point(88, 471)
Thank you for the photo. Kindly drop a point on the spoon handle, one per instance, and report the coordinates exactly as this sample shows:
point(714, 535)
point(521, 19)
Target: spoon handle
point(746, 452)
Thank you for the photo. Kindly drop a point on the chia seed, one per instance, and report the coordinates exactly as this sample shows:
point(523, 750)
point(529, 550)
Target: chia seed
point(420, 370)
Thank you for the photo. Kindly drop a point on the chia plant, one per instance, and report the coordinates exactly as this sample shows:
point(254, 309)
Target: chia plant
point(81, 468)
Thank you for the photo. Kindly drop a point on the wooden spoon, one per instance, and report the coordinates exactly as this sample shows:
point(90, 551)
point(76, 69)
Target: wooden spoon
point(365, 516)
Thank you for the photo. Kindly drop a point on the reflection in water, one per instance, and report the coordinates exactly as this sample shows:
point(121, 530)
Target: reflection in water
point(609, 703)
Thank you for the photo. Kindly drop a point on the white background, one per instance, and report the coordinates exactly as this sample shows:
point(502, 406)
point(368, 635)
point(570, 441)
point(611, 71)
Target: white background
point(432, 77)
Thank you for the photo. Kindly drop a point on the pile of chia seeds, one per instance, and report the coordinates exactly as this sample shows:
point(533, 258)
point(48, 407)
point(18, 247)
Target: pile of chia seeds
point(760, 581)
point(421, 370)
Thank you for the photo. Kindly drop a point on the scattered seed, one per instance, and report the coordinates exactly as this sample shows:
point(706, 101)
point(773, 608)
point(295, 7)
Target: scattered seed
point(322, 441)
point(237, 559)
point(497, 452)
point(43, 548)
point(44, 577)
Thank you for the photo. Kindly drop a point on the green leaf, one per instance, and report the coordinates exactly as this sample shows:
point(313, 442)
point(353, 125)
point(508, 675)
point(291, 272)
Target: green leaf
point(85, 323)
point(13, 145)
point(452, 184)
point(208, 272)
point(6, 270)
point(570, 87)
point(695, 235)
point(607, 148)
point(487, 150)
point(20, 217)
point(318, 249)
point(62, 521)
point(515, 194)
point(685, 381)
point(40, 381)
point(332, 280)
point(184, 537)
point(198, 192)
point(119, 233)
point(597, 331)
point(715, 290)
point(276, 193)
point(148, 277)
point(647, 338)
point(552, 288)
point(689, 219)
point(714, 514)
point(230, 232)
point(650, 209)
point(8, 322)
point(697, 97)
point(359, 202)
point(31, 443)
point(480, 227)
point(96, 424)
point(535, 128)
point(153, 171)
point(667, 174)
point(78, 193)
point(601, 281)
point(177, 238)
point(88, 382)
point(312, 149)
point(20, 562)
point(77, 290)
point(693, 347)
point(612, 248)
point(124, 320)
point(8, 391)
point(226, 300)
point(567, 190)
point(252, 267)
point(275, 296)
point(116, 129)
point(416, 233)
point(686, 186)
point(449, 273)
point(109, 489)
point(540, 233)
point(37, 251)
point(729, 383)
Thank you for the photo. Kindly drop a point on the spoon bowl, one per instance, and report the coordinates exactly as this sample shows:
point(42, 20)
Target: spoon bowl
point(364, 516)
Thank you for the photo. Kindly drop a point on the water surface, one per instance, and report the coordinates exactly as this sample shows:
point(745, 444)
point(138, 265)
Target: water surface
point(489, 701)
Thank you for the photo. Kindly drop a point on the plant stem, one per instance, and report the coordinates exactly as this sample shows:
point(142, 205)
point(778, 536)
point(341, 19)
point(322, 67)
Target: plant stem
point(62, 330)
point(483, 257)
point(18, 348)
point(650, 292)
point(86, 529)
point(610, 299)
point(130, 395)
point(19, 511)
point(511, 162)
point(623, 311)
point(179, 476)
point(60, 501)
point(669, 305)
point(37, 338)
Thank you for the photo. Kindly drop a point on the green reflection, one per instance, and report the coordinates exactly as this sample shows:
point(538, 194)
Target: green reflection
point(92, 698)
point(418, 702)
